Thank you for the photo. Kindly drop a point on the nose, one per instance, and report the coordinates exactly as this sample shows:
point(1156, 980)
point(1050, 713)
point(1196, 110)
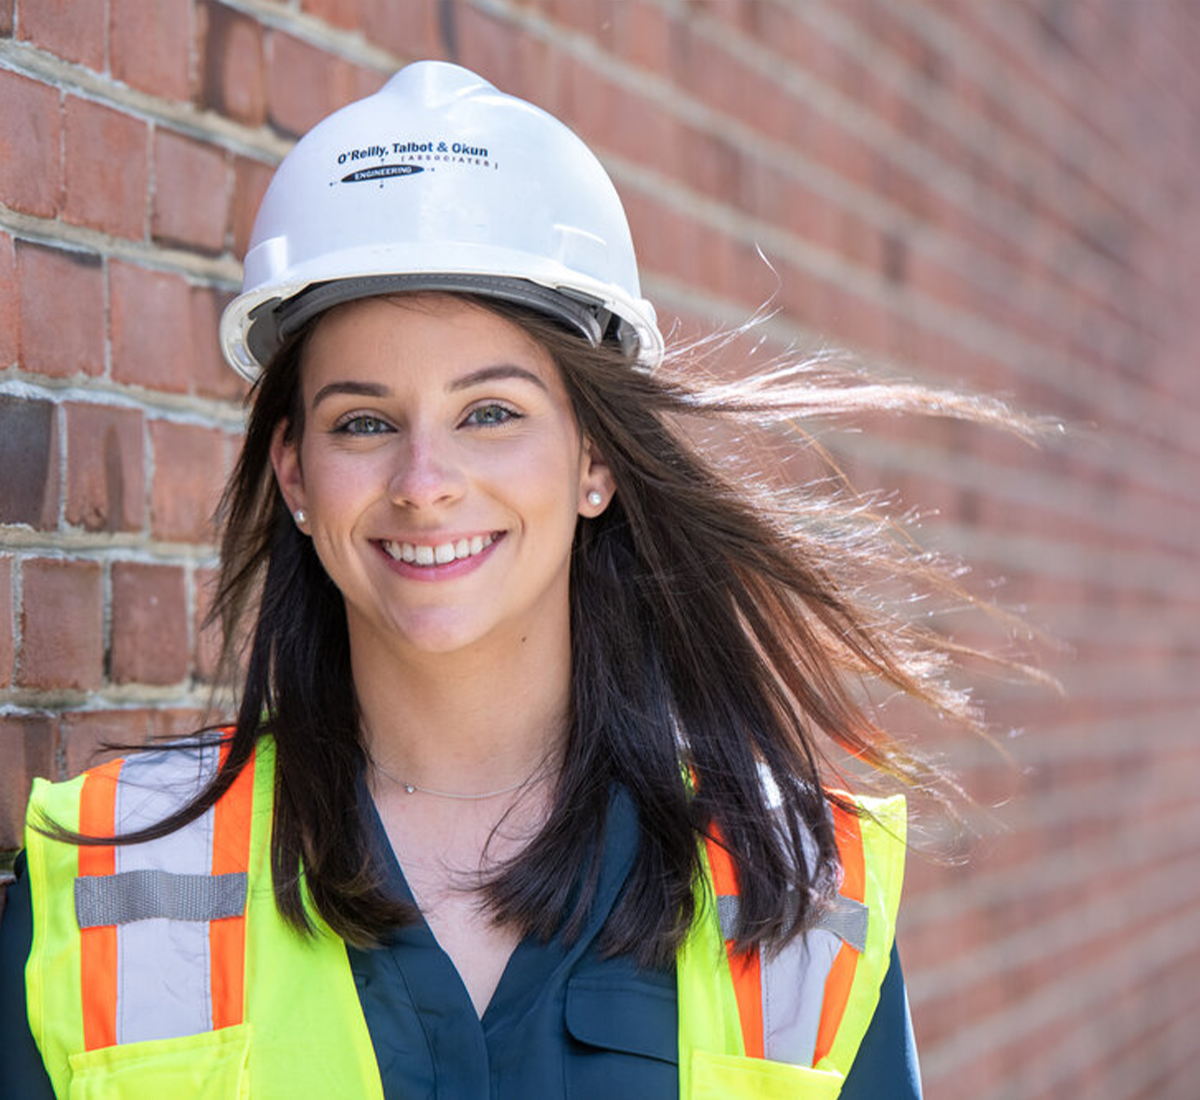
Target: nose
point(427, 472)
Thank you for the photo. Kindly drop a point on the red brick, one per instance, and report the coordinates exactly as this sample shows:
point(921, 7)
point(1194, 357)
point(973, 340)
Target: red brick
point(85, 735)
point(191, 192)
point(62, 625)
point(28, 745)
point(29, 450)
point(485, 44)
point(151, 334)
point(250, 179)
point(410, 29)
point(211, 376)
point(7, 650)
point(149, 624)
point(643, 35)
point(207, 654)
point(189, 473)
point(151, 45)
point(337, 13)
point(105, 169)
point(30, 145)
point(106, 473)
point(304, 83)
point(151, 327)
point(71, 29)
point(6, 16)
point(55, 338)
point(233, 66)
point(9, 301)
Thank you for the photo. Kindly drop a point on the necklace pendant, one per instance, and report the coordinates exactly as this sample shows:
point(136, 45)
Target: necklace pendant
point(410, 788)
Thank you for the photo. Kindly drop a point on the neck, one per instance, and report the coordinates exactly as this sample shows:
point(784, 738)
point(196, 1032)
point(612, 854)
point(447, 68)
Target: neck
point(467, 722)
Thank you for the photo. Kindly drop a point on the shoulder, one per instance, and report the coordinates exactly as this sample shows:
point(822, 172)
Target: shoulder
point(127, 794)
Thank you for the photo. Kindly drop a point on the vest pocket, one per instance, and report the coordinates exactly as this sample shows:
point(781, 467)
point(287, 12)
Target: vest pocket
point(213, 1065)
point(733, 1077)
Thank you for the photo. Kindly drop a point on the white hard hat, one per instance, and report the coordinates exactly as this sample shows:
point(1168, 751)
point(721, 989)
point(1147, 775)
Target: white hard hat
point(439, 182)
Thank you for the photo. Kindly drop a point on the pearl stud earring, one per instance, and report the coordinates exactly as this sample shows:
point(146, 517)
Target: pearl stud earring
point(300, 516)
point(595, 498)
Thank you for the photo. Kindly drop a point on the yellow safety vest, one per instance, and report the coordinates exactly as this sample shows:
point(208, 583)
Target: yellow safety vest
point(164, 969)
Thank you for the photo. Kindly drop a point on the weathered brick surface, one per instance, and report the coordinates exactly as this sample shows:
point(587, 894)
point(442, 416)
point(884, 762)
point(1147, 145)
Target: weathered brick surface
point(151, 46)
point(28, 743)
point(151, 327)
point(29, 461)
point(106, 469)
point(9, 301)
point(105, 169)
point(304, 83)
point(149, 624)
point(62, 624)
point(207, 650)
point(233, 69)
point(991, 196)
point(30, 146)
point(189, 471)
point(250, 179)
point(191, 192)
point(7, 648)
point(209, 375)
point(71, 30)
point(61, 302)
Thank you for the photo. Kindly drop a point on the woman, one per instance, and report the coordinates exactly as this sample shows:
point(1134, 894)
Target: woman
point(524, 797)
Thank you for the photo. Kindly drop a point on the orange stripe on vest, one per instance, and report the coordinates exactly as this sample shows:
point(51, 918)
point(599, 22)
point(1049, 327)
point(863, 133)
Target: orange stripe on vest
point(98, 946)
point(848, 834)
point(227, 937)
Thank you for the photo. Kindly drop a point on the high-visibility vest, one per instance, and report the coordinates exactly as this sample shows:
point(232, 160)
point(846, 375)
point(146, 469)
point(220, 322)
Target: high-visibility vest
point(164, 968)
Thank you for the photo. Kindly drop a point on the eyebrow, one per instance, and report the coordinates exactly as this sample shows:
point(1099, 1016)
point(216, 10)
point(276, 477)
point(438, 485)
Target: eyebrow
point(489, 374)
point(376, 389)
point(358, 389)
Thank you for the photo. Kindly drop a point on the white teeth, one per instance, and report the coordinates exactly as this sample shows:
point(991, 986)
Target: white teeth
point(442, 554)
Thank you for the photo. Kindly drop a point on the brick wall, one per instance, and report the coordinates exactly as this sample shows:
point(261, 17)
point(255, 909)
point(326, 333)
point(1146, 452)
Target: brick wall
point(1000, 196)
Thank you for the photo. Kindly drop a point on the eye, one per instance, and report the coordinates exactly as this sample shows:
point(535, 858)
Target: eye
point(363, 425)
point(488, 416)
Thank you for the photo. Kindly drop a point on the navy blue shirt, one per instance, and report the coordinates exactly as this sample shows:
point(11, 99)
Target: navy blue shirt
point(563, 1021)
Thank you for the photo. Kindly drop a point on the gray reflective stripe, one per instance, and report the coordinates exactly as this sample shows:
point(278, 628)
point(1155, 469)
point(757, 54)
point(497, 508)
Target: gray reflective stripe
point(793, 995)
point(793, 979)
point(163, 966)
point(727, 913)
point(845, 918)
point(143, 895)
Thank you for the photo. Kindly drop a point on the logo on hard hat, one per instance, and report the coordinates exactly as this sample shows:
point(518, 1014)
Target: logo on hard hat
point(382, 171)
point(432, 152)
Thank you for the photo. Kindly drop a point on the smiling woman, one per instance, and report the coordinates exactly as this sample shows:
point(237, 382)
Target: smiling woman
point(531, 788)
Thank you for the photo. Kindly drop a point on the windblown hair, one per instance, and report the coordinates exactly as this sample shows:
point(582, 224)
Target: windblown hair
point(721, 630)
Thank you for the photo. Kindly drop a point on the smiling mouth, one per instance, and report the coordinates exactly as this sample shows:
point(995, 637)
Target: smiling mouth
point(416, 553)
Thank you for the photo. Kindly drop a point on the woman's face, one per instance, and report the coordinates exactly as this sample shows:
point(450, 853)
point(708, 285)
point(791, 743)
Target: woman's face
point(442, 472)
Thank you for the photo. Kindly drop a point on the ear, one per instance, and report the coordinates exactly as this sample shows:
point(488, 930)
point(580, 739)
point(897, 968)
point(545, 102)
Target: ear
point(285, 460)
point(596, 484)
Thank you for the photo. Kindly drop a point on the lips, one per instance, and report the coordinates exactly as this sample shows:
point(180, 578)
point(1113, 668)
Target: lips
point(442, 553)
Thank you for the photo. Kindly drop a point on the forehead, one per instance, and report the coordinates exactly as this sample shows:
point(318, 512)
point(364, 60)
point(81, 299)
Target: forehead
point(416, 339)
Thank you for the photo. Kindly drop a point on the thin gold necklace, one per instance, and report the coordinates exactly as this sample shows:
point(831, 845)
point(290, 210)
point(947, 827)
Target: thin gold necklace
point(412, 788)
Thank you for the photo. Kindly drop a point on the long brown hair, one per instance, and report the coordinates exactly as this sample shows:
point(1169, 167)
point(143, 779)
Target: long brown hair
point(720, 626)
